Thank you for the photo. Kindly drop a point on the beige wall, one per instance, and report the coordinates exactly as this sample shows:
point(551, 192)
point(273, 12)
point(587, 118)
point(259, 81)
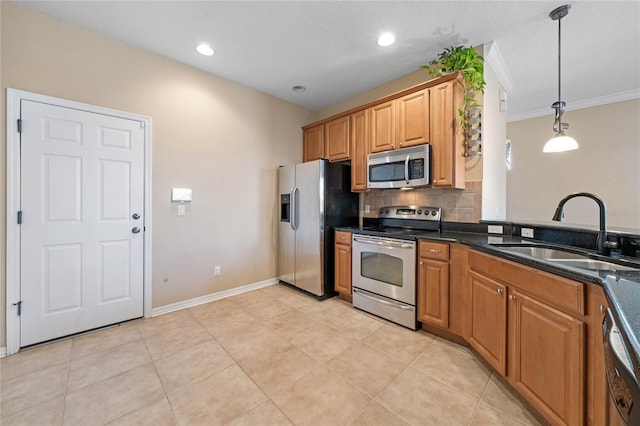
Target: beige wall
point(606, 164)
point(223, 140)
point(401, 83)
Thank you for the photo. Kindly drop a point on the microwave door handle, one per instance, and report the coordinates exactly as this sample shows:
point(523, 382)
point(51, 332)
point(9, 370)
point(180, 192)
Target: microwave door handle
point(406, 169)
point(294, 217)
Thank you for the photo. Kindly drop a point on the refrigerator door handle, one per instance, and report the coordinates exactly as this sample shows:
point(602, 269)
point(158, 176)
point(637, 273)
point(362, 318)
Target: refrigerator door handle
point(294, 208)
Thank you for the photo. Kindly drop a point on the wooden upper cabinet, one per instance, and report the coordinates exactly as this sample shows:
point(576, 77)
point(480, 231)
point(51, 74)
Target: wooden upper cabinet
point(336, 134)
point(359, 128)
point(382, 126)
point(412, 119)
point(313, 143)
point(446, 137)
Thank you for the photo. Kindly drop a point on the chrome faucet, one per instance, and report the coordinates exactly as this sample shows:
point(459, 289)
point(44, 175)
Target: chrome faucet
point(602, 245)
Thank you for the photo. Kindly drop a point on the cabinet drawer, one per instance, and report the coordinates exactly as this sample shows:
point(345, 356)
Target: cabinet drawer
point(432, 250)
point(343, 238)
point(553, 289)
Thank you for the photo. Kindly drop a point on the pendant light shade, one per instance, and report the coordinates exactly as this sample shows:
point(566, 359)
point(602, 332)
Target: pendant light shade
point(560, 142)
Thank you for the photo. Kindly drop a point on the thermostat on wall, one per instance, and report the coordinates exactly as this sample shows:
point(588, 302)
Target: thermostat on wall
point(181, 194)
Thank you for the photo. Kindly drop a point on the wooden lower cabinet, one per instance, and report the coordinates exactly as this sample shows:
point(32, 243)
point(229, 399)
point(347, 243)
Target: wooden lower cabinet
point(488, 320)
point(547, 359)
point(342, 271)
point(433, 283)
point(546, 342)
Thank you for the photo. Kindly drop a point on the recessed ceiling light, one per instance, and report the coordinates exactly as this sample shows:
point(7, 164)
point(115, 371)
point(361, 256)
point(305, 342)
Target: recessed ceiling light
point(204, 49)
point(298, 89)
point(386, 39)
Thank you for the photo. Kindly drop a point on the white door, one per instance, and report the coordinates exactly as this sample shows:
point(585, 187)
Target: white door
point(82, 199)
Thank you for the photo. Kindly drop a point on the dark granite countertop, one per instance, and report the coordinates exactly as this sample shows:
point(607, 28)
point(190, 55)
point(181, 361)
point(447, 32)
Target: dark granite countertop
point(621, 288)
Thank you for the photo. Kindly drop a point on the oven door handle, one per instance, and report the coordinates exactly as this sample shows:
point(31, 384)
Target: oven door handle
point(384, 302)
point(406, 170)
point(385, 244)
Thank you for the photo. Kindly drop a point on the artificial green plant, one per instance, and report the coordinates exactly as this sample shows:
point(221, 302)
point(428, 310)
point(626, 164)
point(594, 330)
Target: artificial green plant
point(470, 64)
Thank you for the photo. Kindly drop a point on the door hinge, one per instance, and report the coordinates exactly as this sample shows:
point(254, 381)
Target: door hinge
point(19, 306)
point(20, 217)
point(19, 125)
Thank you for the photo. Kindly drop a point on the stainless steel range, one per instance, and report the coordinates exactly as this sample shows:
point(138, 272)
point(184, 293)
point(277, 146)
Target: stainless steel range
point(384, 262)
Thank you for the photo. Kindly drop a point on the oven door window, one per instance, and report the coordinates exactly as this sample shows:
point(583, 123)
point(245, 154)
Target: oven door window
point(381, 267)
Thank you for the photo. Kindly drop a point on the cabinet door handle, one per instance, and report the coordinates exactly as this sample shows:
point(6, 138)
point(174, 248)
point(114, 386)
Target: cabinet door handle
point(348, 250)
point(433, 250)
point(512, 297)
point(499, 291)
point(602, 309)
point(421, 262)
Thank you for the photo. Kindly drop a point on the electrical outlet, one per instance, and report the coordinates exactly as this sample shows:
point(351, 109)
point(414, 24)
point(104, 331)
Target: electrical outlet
point(217, 270)
point(181, 209)
point(495, 229)
point(526, 232)
point(367, 208)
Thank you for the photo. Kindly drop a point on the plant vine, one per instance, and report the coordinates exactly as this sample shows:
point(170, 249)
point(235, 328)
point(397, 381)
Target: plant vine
point(470, 64)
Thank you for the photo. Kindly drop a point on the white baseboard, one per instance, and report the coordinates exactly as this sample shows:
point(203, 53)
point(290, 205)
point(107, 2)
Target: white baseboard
point(3, 351)
point(211, 297)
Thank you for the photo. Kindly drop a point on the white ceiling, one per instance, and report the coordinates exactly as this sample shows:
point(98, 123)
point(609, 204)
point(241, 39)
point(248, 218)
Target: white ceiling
point(330, 46)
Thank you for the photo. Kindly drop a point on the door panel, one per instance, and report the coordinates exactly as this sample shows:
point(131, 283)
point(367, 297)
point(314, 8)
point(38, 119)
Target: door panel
point(82, 180)
point(63, 189)
point(62, 278)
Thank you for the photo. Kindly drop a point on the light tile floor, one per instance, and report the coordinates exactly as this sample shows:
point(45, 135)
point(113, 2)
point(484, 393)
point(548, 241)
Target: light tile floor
point(273, 356)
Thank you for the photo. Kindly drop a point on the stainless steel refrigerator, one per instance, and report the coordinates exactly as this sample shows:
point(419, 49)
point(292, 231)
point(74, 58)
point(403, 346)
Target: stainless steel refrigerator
point(314, 198)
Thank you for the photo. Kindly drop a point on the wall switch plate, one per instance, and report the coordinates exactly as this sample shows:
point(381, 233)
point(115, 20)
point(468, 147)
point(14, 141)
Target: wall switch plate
point(526, 232)
point(181, 209)
point(495, 229)
point(217, 270)
point(367, 208)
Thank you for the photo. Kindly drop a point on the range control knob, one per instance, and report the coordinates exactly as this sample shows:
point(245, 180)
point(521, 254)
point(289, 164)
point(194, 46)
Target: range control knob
point(420, 212)
point(433, 213)
point(386, 211)
point(381, 211)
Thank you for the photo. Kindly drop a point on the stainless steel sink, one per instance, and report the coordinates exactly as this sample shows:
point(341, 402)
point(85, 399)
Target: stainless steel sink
point(592, 264)
point(545, 252)
point(563, 257)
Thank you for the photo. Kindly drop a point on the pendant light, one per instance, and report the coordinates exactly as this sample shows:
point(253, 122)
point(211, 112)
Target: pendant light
point(560, 142)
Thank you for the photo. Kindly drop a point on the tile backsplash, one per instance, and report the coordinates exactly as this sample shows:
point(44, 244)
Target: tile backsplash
point(458, 205)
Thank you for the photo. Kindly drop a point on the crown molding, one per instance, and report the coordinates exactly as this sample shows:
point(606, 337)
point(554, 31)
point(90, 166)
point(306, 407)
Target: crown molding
point(585, 103)
point(493, 57)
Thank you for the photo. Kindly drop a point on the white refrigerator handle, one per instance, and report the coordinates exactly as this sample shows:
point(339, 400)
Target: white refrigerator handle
point(294, 208)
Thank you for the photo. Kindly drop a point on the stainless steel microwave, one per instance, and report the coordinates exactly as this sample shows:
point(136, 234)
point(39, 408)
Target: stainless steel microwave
point(400, 168)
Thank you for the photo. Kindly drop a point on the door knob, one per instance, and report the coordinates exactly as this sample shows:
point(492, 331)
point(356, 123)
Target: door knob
point(135, 216)
point(135, 230)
